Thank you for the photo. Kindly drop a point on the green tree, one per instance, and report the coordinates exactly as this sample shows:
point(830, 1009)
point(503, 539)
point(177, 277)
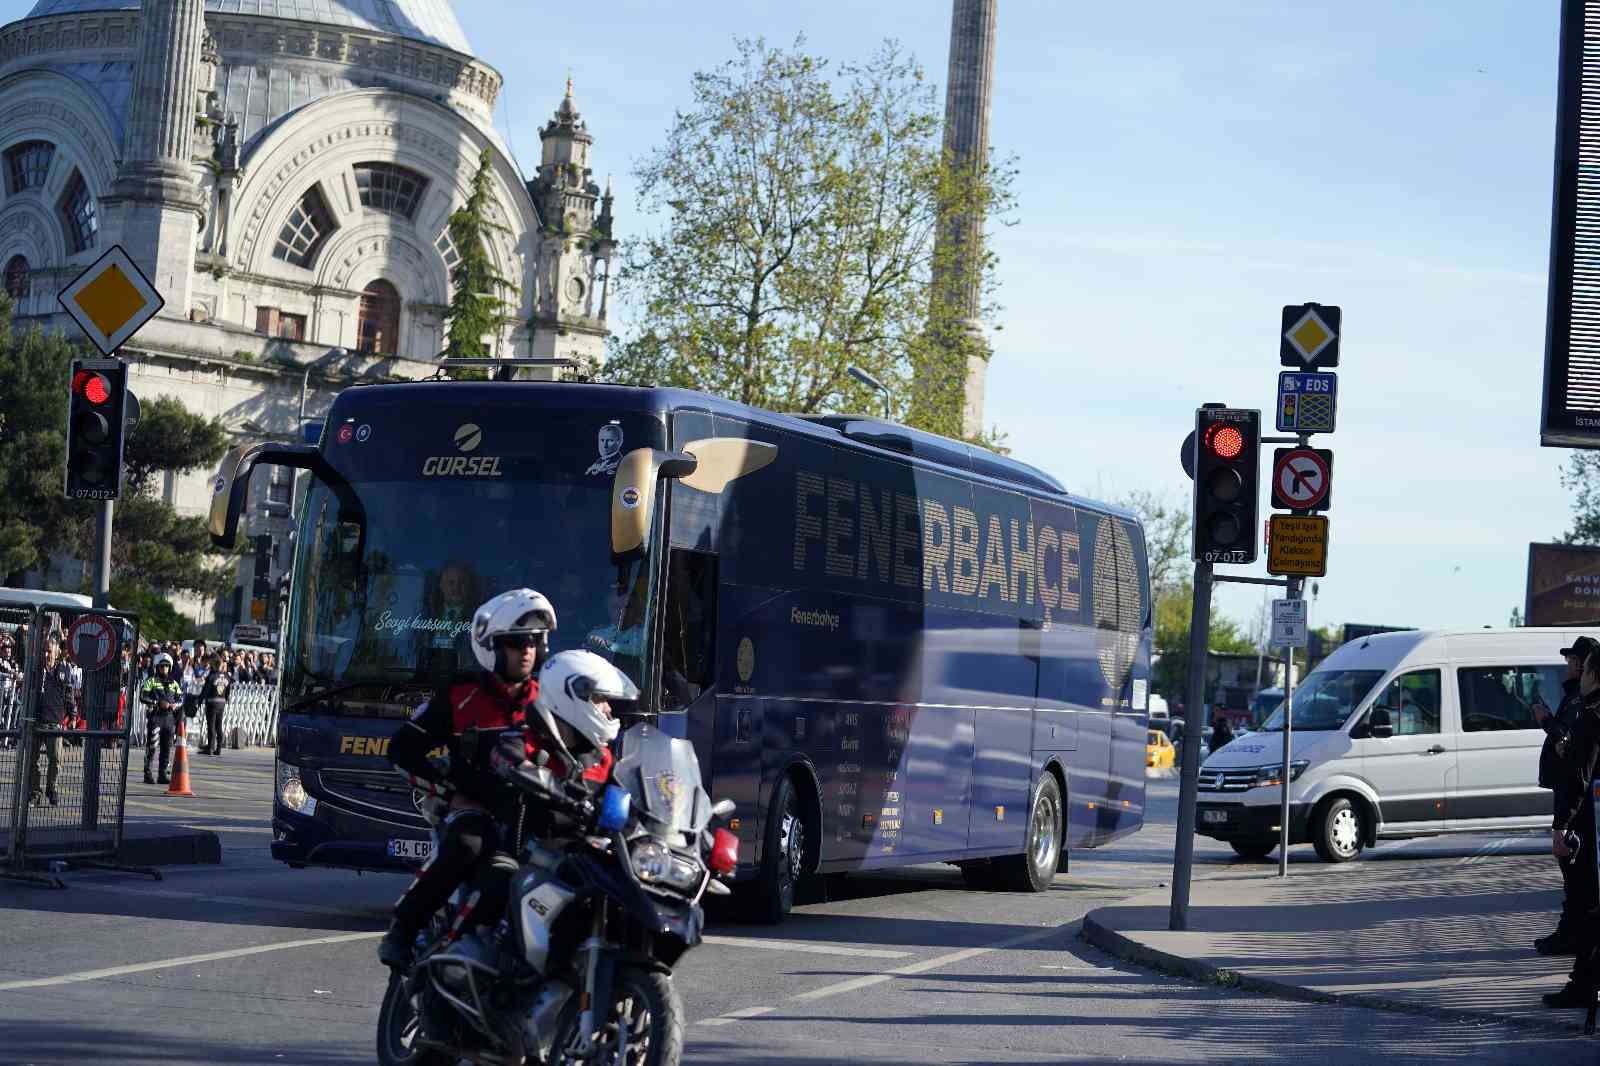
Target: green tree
point(800, 205)
point(476, 308)
point(1582, 479)
point(152, 546)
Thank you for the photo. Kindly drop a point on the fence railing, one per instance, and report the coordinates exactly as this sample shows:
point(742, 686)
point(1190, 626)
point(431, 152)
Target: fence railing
point(250, 719)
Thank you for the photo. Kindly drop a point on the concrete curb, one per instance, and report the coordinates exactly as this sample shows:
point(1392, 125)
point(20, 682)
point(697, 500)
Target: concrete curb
point(169, 846)
point(1129, 950)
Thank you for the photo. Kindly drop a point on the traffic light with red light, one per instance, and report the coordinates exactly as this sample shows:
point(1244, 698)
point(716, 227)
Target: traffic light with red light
point(95, 410)
point(1227, 444)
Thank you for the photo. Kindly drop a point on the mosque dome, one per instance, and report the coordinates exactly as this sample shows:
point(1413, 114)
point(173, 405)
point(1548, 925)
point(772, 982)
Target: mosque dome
point(432, 21)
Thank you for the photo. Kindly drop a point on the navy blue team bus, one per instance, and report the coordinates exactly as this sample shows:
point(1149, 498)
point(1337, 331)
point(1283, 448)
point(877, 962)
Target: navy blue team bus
point(887, 647)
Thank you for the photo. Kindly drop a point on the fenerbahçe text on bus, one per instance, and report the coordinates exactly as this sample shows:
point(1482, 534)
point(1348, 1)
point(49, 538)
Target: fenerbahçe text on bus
point(887, 647)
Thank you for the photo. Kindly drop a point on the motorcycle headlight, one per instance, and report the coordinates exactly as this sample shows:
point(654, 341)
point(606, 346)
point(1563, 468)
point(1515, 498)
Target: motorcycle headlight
point(1272, 776)
point(291, 793)
point(655, 864)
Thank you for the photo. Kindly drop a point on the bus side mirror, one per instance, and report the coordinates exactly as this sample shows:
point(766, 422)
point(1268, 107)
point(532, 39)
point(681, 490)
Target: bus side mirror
point(633, 494)
point(722, 460)
point(230, 487)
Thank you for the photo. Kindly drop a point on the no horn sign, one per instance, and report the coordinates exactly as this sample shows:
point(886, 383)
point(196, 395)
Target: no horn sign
point(1301, 478)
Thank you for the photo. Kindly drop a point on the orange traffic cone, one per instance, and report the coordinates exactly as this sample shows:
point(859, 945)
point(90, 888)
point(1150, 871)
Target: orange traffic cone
point(180, 766)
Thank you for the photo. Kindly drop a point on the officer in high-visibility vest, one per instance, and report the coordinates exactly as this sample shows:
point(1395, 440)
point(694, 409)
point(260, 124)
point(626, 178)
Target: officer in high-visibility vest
point(161, 696)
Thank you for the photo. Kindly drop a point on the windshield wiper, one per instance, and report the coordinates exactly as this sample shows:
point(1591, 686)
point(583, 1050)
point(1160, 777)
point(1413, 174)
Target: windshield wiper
point(347, 686)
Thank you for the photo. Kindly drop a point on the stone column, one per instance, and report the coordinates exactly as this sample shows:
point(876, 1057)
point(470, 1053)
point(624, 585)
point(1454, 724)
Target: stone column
point(155, 199)
point(968, 95)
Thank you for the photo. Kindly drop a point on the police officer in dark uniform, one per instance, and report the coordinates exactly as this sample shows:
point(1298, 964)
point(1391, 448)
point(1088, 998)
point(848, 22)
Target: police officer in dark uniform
point(1578, 896)
point(1573, 835)
point(510, 636)
point(161, 696)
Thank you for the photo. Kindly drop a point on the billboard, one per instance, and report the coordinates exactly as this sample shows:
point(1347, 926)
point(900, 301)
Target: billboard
point(1563, 585)
point(1571, 408)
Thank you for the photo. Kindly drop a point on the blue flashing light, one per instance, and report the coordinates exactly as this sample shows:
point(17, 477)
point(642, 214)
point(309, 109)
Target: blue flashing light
point(614, 808)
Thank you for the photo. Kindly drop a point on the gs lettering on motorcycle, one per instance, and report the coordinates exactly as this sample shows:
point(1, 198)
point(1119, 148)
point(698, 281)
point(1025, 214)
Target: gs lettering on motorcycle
point(467, 438)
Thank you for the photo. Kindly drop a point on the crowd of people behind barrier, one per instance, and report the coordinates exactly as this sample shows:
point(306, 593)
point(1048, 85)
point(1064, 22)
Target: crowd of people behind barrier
point(222, 687)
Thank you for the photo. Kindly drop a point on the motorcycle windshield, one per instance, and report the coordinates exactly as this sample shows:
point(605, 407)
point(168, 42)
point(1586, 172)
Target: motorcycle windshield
point(663, 775)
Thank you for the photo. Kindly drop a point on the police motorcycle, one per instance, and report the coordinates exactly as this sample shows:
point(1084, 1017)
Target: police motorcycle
point(579, 971)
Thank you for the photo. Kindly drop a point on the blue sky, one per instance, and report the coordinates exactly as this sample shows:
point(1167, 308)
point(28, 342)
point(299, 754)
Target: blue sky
point(1186, 169)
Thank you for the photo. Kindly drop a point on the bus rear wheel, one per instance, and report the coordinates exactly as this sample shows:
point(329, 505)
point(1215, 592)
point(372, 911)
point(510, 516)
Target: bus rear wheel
point(1035, 868)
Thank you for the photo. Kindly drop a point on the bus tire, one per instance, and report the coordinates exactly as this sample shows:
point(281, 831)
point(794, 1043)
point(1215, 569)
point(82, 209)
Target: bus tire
point(782, 855)
point(1035, 868)
point(1336, 830)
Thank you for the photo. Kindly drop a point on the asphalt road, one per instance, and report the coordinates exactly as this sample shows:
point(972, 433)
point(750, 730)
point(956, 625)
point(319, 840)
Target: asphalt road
point(252, 962)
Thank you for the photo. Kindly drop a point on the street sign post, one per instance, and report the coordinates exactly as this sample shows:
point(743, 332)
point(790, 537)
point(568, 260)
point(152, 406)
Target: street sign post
point(1302, 478)
point(1289, 628)
point(111, 300)
point(1306, 402)
point(1310, 337)
point(1297, 545)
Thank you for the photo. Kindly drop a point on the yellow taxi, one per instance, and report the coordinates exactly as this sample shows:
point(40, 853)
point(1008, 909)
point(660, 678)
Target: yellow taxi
point(1159, 754)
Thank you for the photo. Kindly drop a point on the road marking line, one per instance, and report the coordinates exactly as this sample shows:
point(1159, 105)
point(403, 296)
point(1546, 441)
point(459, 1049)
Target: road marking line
point(855, 984)
point(238, 901)
point(805, 947)
point(187, 960)
point(735, 1015)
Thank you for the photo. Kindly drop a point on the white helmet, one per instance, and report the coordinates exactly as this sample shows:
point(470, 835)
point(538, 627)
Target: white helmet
point(570, 683)
point(520, 611)
point(162, 659)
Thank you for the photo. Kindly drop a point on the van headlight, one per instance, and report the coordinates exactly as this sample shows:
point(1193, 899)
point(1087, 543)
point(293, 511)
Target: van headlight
point(1272, 776)
point(291, 793)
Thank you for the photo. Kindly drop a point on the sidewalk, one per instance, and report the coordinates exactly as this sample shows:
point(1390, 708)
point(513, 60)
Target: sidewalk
point(1452, 939)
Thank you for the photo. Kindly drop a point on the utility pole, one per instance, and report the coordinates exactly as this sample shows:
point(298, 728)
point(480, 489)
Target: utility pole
point(1189, 781)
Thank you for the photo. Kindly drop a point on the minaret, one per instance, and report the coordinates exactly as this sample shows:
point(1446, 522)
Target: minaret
point(574, 244)
point(968, 94)
point(155, 198)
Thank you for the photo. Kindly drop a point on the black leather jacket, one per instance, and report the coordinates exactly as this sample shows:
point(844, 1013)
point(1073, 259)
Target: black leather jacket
point(1557, 728)
point(1573, 804)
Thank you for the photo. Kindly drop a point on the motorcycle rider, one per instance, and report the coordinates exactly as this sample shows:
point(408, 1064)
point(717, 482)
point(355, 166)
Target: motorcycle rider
point(162, 696)
point(510, 637)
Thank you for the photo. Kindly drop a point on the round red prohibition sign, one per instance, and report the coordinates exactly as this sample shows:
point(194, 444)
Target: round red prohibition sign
point(101, 638)
point(1300, 479)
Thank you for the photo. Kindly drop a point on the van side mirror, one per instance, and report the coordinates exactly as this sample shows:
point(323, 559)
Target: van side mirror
point(1379, 724)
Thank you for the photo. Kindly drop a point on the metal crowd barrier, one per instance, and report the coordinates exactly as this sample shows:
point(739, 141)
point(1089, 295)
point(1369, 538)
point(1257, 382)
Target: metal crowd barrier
point(249, 720)
point(63, 775)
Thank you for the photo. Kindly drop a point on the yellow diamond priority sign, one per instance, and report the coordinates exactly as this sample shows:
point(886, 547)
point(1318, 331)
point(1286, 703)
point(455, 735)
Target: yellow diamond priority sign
point(1310, 339)
point(111, 300)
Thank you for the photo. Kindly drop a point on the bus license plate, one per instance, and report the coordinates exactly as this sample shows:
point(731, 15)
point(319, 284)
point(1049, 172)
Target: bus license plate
point(411, 849)
point(1214, 817)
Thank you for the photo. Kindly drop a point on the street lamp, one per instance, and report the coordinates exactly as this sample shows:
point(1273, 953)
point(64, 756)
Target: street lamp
point(873, 383)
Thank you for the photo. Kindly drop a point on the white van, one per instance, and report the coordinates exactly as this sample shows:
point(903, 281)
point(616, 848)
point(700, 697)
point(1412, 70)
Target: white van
point(1396, 735)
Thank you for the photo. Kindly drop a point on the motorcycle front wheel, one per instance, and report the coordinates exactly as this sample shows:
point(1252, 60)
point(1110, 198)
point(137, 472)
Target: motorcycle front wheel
point(398, 1028)
point(645, 1027)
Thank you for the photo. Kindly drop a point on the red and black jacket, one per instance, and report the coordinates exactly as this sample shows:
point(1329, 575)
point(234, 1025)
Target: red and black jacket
point(482, 701)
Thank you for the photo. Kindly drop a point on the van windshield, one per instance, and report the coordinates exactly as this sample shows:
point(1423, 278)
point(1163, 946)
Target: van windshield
point(1326, 699)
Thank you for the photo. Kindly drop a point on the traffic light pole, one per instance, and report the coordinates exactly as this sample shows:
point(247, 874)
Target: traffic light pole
point(102, 555)
point(1193, 730)
point(1288, 741)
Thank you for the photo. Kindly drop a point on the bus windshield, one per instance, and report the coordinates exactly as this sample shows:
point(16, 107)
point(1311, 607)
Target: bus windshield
point(385, 601)
point(1325, 699)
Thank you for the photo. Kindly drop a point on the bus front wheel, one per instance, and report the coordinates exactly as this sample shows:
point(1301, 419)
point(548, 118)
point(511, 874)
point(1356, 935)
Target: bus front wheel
point(1035, 868)
point(783, 855)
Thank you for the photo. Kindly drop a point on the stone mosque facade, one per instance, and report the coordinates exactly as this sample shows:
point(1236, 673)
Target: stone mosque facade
point(283, 171)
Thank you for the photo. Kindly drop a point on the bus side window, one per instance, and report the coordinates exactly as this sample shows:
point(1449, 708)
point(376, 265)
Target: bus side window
point(689, 639)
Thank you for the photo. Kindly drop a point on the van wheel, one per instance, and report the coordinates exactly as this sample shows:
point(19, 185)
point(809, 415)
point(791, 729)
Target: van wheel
point(1336, 831)
point(1035, 869)
point(1253, 849)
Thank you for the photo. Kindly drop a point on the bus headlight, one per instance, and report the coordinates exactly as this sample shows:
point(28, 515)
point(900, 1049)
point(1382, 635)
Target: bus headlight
point(291, 793)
